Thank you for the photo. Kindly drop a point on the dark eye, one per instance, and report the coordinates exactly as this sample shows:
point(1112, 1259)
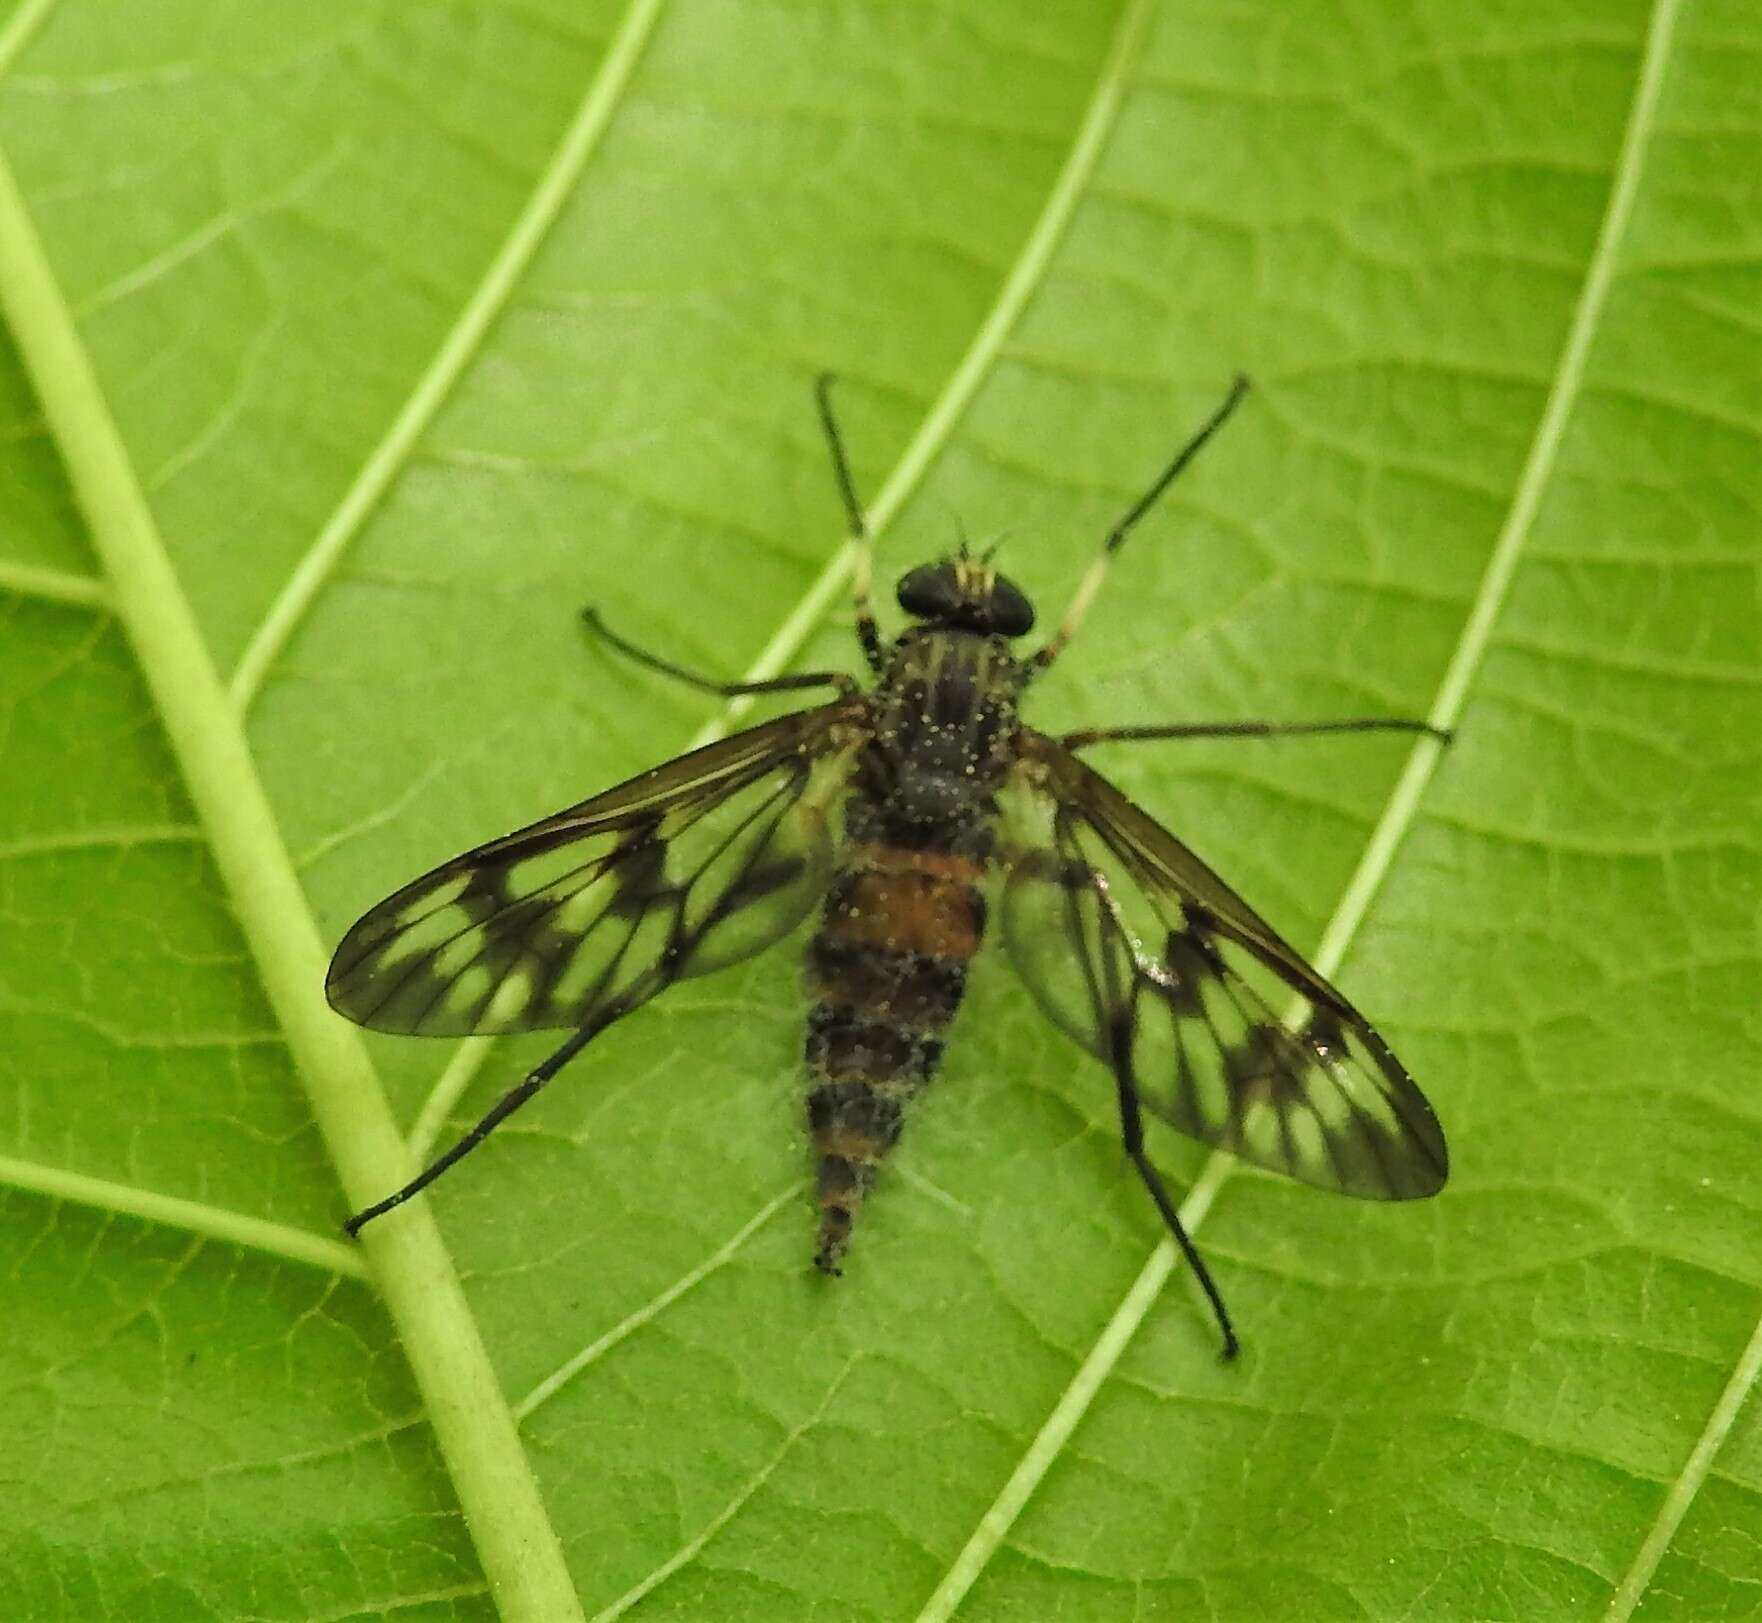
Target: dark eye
point(930, 592)
point(1008, 609)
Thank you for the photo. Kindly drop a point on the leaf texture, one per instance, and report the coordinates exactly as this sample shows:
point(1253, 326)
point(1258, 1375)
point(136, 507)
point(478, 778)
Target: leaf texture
point(422, 327)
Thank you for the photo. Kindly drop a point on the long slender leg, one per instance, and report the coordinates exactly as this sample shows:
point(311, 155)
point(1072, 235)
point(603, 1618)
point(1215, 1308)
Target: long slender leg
point(1131, 1116)
point(727, 690)
point(1086, 736)
point(1116, 537)
point(1132, 1129)
point(862, 583)
point(503, 1108)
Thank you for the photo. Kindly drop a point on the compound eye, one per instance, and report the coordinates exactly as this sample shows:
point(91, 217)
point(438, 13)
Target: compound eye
point(1009, 610)
point(930, 592)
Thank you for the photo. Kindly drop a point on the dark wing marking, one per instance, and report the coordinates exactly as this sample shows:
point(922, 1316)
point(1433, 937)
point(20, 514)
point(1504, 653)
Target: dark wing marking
point(1136, 949)
point(688, 867)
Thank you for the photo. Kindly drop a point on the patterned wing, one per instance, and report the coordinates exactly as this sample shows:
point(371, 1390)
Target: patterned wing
point(1133, 947)
point(689, 867)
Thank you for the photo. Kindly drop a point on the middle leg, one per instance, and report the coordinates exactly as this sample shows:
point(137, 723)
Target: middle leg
point(1084, 737)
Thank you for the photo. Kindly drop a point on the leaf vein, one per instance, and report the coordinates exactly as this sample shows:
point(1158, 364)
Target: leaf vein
point(1391, 829)
point(53, 585)
point(194, 1216)
point(21, 28)
point(416, 1276)
point(457, 351)
point(1682, 1491)
point(689, 1550)
point(656, 1305)
point(932, 435)
point(100, 839)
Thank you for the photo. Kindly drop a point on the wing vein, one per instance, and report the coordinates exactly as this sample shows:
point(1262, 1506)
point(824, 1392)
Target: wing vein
point(1025, 275)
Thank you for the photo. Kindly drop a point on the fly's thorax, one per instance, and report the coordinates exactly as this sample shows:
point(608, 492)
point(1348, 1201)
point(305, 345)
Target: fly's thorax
point(945, 726)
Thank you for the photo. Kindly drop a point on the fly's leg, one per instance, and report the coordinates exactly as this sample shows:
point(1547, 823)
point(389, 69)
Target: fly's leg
point(1132, 1131)
point(1116, 537)
point(1131, 1113)
point(727, 690)
point(862, 577)
point(1252, 729)
point(499, 1112)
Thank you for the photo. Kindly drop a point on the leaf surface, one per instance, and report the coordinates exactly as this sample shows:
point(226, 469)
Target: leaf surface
point(415, 328)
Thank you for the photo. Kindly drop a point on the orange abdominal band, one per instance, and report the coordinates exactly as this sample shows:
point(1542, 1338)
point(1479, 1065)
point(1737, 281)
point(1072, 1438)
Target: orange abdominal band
point(908, 909)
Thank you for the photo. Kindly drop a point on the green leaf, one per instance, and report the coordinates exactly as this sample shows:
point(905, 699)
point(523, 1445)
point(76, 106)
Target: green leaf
point(353, 349)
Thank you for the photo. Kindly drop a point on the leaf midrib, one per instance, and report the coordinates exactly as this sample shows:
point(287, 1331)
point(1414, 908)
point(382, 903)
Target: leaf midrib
point(1345, 921)
point(444, 372)
point(519, 1549)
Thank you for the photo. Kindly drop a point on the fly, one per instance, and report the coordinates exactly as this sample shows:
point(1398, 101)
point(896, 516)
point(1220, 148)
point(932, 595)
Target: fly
point(905, 814)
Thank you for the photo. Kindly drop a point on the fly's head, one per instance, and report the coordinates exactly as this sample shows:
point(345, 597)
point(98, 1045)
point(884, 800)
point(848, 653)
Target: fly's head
point(964, 593)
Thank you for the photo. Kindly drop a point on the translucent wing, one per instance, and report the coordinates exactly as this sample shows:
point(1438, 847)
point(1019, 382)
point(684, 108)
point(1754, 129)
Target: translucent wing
point(1132, 946)
point(686, 868)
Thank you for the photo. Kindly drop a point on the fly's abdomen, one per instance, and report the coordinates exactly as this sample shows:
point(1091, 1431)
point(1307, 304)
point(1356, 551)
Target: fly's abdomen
point(886, 973)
